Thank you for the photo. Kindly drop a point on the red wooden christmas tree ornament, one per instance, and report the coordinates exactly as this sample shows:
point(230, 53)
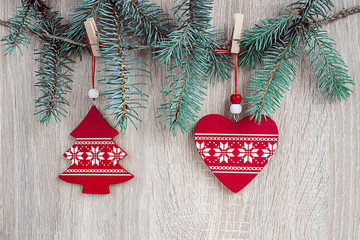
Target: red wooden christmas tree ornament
point(235, 152)
point(95, 156)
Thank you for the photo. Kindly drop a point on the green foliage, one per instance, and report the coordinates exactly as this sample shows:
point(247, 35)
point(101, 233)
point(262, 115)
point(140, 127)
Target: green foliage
point(36, 17)
point(186, 91)
point(124, 97)
point(53, 74)
point(189, 52)
point(272, 48)
point(272, 79)
point(53, 81)
point(329, 68)
point(19, 28)
point(76, 29)
point(186, 46)
point(309, 11)
point(146, 20)
point(264, 35)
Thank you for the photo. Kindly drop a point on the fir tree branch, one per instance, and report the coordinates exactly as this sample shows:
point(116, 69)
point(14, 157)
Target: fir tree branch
point(76, 30)
point(226, 45)
point(187, 92)
point(330, 70)
point(53, 82)
point(256, 40)
point(309, 11)
point(124, 98)
point(18, 30)
point(189, 50)
point(53, 74)
point(343, 13)
point(300, 15)
point(274, 76)
point(150, 22)
point(49, 36)
point(272, 79)
point(219, 64)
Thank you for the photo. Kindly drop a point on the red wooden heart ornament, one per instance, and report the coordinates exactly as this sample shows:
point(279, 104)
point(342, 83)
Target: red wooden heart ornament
point(235, 152)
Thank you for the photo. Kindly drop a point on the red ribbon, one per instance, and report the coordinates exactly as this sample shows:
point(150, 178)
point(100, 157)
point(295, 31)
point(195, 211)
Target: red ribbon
point(235, 66)
point(93, 63)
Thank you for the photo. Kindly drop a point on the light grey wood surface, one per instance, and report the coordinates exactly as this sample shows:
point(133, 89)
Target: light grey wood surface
point(309, 190)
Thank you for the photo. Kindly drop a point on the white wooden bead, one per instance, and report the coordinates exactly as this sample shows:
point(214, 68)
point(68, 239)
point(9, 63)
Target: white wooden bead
point(235, 108)
point(93, 93)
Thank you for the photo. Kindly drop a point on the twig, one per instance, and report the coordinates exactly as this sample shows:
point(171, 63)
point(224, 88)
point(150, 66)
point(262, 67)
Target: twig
point(47, 35)
point(340, 14)
point(4, 23)
point(336, 16)
point(64, 39)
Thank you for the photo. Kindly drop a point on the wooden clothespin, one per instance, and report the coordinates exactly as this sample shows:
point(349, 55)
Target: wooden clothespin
point(235, 49)
point(239, 20)
point(91, 31)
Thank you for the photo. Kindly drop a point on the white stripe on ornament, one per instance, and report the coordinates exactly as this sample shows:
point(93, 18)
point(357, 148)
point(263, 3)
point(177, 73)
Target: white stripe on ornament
point(234, 134)
point(235, 172)
point(93, 138)
point(89, 174)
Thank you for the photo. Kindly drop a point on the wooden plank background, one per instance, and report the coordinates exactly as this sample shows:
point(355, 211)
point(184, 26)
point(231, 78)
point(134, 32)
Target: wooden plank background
point(309, 190)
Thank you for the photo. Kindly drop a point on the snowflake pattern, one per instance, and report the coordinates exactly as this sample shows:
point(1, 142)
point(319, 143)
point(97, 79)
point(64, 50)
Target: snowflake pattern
point(248, 152)
point(269, 151)
point(230, 151)
point(95, 156)
point(116, 155)
point(224, 152)
point(202, 150)
point(74, 155)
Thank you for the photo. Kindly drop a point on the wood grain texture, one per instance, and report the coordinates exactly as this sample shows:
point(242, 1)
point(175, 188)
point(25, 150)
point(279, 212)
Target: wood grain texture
point(309, 190)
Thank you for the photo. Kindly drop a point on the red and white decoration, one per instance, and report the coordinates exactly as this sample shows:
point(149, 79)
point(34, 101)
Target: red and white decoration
point(95, 156)
point(235, 152)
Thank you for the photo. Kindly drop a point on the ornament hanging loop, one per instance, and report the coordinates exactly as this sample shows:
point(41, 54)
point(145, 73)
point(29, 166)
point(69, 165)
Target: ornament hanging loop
point(236, 117)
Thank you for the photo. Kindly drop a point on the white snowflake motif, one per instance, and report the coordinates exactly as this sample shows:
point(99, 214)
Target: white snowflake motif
point(224, 152)
point(95, 156)
point(202, 150)
point(248, 152)
point(74, 155)
point(269, 151)
point(116, 155)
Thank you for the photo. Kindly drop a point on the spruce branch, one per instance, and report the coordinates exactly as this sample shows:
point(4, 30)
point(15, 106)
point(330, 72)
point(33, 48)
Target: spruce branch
point(256, 40)
point(269, 31)
point(189, 52)
point(76, 30)
point(49, 36)
point(18, 28)
point(124, 97)
point(343, 13)
point(264, 44)
point(218, 64)
point(329, 68)
point(53, 81)
point(273, 78)
point(148, 21)
point(309, 11)
point(186, 91)
point(186, 46)
point(53, 74)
